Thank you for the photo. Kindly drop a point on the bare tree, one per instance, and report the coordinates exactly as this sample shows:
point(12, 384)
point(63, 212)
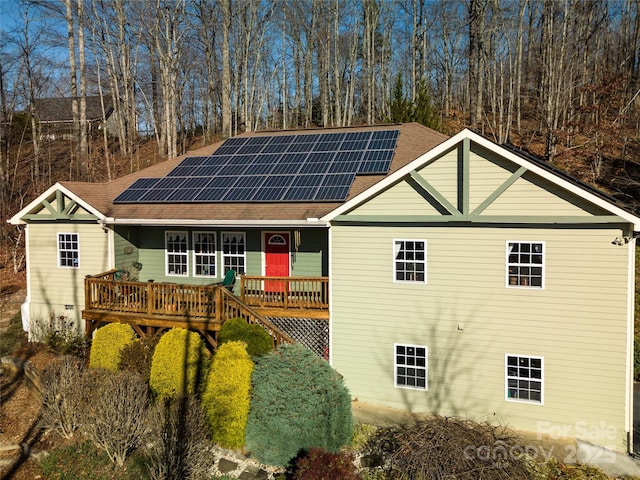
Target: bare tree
point(226, 68)
point(477, 11)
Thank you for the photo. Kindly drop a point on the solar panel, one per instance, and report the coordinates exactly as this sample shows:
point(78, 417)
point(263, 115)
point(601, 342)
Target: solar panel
point(276, 168)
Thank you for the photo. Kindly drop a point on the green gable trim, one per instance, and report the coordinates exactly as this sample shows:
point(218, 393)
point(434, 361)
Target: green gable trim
point(424, 187)
point(78, 216)
point(464, 176)
point(499, 191)
point(506, 219)
point(62, 211)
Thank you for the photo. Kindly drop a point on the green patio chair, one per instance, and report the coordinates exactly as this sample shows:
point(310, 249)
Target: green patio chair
point(228, 281)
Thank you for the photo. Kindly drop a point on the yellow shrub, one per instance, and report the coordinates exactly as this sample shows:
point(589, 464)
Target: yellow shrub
point(227, 395)
point(107, 345)
point(179, 361)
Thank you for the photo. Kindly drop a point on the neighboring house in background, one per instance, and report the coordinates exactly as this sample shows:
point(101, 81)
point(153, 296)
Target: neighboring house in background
point(464, 278)
point(55, 116)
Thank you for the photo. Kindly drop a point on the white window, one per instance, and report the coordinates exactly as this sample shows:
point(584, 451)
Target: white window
point(525, 264)
point(233, 252)
point(524, 378)
point(68, 250)
point(204, 254)
point(175, 244)
point(410, 366)
point(410, 261)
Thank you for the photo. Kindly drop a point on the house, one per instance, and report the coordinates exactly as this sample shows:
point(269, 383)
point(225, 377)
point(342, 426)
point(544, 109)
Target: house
point(452, 275)
point(55, 115)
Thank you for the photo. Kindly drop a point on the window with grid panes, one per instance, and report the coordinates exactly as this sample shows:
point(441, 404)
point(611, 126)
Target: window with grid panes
point(525, 264)
point(524, 378)
point(204, 254)
point(176, 246)
point(233, 252)
point(410, 261)
point(68, 250)
point(410, 366)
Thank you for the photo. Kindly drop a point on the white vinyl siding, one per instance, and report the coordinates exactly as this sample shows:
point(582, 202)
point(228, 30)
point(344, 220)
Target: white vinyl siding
point(68, 250)
point(204, 254)
point(176, 257)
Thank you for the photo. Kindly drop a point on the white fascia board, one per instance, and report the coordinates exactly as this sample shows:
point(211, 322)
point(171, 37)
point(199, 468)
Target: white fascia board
point(442, 148)
point(17, 218)
point(212, 223)
point(547, 175)
point(396, 176)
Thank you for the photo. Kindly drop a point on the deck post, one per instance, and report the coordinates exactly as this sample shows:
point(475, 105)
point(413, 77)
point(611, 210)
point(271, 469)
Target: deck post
point(219, 302)
point(151, 298)
point(87, 293)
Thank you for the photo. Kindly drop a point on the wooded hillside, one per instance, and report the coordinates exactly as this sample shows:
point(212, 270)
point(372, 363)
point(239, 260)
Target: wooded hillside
point(557, 78)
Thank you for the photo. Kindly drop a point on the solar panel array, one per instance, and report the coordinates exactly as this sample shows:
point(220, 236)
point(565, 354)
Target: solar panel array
point(279, 168)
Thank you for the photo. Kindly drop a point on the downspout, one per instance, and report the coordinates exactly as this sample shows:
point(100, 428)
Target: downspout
point(25, 309)
point(110, 244)
point(629, 414)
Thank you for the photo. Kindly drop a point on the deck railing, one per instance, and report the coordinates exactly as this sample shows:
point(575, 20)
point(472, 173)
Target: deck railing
point(149, 298)
point(308, 293)
point(205, 303)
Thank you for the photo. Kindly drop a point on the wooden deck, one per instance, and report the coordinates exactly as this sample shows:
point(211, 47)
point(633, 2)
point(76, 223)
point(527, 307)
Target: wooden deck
point(150, 306)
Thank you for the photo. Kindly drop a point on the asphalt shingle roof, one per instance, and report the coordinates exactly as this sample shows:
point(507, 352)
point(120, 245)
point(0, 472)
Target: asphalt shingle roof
point(413, 141)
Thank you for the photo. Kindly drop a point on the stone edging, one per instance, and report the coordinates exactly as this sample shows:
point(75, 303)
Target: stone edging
point(25, 369)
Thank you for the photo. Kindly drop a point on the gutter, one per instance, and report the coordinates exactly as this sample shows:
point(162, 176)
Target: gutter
point(309, 222)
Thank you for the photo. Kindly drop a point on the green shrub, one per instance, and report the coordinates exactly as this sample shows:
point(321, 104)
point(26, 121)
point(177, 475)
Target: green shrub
point(179, 362)
point(258, 340)
point(107, 345)
point(298, 402)
point(318, 464)
point(137, 356)
point(226, 397)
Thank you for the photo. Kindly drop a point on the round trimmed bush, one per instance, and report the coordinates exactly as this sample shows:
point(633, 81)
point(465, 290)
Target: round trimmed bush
point(107, 345)
point(226, 398)
point(258, 340)
point(179, 362)
point(298, 402)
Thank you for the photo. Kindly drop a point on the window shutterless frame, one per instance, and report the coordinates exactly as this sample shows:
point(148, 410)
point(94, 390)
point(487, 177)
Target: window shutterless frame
point(234, 252)
point(524, 378)
point(176, 247)
point(525, 264)
point(204, 253)
point(409, 261)
point(68, 247)
point(410, 366)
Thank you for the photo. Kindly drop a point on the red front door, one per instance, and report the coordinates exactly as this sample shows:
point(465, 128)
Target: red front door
point(276, 256)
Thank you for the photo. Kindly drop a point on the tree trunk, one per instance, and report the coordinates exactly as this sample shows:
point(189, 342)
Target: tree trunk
point(83, 150)
point(477, 10)
point(226, 68)
point(73, 82)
